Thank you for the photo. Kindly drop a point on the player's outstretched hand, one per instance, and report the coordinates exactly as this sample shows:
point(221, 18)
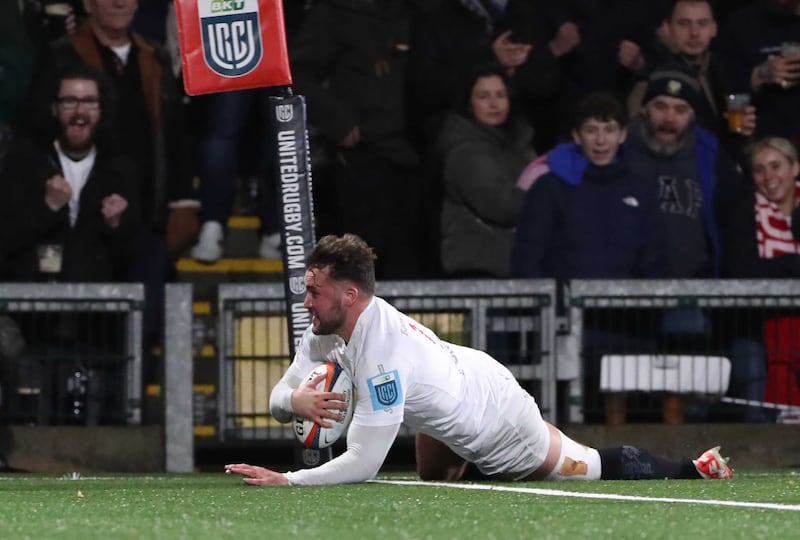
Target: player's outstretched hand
point(257, 476)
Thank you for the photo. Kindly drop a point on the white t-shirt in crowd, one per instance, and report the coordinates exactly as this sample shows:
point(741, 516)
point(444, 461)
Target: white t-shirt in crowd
point(76, 173)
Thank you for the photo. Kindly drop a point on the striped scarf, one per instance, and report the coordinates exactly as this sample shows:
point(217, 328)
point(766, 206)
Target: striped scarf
point(774, 229)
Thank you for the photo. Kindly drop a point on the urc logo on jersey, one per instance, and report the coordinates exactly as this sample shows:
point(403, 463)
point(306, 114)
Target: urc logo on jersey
point(231, 36)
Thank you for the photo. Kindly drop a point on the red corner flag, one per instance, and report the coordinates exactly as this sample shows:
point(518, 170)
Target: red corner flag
point(232, 44)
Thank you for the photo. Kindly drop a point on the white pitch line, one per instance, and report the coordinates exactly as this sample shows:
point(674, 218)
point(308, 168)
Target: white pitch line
point(581, 495)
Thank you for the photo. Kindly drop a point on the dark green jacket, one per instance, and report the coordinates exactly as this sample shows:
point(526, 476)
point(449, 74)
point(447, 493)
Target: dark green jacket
point(482, 201)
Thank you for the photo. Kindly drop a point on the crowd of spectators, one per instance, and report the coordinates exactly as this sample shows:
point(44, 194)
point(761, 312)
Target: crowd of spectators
point(427, 117)
point(385, 84)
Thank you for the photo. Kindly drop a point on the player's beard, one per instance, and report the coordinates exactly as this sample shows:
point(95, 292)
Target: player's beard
point(333, 321)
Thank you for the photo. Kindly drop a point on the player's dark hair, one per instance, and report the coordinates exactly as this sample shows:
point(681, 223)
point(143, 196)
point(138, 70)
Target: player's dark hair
point(347, 257)
point(600, 106)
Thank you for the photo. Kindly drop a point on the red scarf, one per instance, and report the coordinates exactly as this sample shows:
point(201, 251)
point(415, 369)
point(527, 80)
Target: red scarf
point(774, 229)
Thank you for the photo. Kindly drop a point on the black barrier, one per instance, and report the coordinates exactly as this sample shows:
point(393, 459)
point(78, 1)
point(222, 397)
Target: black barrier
point(293, 171)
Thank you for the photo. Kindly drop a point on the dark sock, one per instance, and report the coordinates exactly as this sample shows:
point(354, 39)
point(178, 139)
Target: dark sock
point(633, 463)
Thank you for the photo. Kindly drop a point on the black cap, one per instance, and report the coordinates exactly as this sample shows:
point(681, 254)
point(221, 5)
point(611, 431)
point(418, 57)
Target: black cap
point(673, 82)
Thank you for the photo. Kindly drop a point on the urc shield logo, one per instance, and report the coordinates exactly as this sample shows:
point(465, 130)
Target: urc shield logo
point(231, 36)
point(386, 392)
point(284, 113)
point(232, 45)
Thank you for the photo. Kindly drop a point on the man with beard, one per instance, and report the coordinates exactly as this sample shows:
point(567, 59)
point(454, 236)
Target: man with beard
point(696, 182)
point(148, 124)
point(686, 165)
point(463, 405)
point(68, 186)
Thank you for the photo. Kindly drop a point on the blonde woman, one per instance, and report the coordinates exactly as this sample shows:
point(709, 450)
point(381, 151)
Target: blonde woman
point(758, 239)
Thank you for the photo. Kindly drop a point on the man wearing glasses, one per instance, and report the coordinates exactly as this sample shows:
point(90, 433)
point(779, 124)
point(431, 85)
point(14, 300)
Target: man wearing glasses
point(69, 189)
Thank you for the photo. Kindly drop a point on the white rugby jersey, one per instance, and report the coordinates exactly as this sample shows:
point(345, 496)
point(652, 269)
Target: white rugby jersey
point(461, 396)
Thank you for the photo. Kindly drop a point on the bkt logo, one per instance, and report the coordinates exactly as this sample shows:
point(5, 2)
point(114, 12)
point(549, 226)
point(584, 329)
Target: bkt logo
point(231, 41)
point(226, 5)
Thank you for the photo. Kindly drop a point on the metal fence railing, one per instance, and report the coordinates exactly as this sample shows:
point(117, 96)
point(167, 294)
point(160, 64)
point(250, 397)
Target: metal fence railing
point(82, 357)
point(627, 351)
point(512, 320)
point(685, 350)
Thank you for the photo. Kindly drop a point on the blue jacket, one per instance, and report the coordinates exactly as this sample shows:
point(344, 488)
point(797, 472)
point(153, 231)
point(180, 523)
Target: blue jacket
point(706, 152)
point(720, 183)
point(584, 221)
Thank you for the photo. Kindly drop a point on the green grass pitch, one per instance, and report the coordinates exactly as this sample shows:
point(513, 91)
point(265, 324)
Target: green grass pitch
point(753, 505)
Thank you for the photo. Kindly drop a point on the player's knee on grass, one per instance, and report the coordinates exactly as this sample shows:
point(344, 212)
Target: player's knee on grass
point(435, 461)
point(442, 474)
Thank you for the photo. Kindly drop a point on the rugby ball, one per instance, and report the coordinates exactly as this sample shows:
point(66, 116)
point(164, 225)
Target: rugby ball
point(313, 435)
